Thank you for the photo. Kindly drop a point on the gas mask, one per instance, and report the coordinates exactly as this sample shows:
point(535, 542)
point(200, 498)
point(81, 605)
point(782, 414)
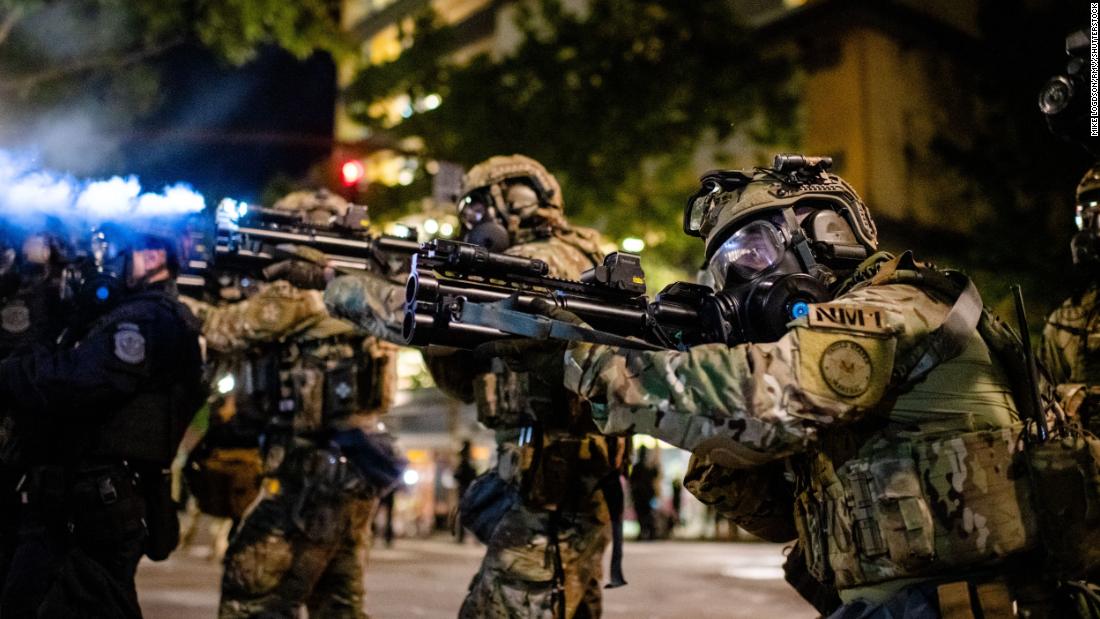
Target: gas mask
point(765, 276)
point(97, 282)
point(490, 215)
point(1085, 244)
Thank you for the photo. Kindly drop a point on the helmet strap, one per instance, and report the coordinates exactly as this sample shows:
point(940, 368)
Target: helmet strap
point(799, 242)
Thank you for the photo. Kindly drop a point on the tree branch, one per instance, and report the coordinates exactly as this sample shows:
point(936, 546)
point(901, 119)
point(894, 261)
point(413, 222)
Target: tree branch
point(26, 83)
point(9, 22)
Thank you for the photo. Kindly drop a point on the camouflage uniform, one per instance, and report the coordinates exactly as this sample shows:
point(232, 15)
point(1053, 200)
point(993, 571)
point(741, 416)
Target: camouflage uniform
point(892, 486)
point(304, 541)
point(516, 578)
point(1070, 347)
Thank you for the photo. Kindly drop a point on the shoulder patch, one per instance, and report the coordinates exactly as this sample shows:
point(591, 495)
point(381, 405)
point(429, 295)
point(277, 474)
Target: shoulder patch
point(129, 343)
point(849, 317)
point(15, 317)
point(271, 313)
point(846, 368)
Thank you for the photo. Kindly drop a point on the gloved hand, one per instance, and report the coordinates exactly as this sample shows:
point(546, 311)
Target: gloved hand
point(305, 267)
point(374, 303)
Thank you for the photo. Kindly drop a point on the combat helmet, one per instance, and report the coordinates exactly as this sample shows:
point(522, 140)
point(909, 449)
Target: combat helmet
point(496, 170)
point(728, 197)
point(318, 207)
point(507, 200)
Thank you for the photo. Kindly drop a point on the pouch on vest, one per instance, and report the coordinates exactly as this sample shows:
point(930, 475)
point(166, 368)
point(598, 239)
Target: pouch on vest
point(224, 482)
point(161, 519)
point(922, 507)
point(565, 471)
point(502, 398)
point(1067, 498)
point(374, 455)
point(485, 503)
point(341, 390)
point(307, 398)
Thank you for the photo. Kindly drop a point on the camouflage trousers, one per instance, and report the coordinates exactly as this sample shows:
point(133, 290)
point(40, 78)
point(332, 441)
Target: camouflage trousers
point(516, 578)
point(301, 543)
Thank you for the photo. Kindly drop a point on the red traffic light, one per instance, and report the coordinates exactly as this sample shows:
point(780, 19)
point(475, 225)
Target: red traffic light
point(352, 172)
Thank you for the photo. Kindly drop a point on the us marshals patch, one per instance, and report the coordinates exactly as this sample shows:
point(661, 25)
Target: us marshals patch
point(129, 343)
point(15, 318)
point(846, 368)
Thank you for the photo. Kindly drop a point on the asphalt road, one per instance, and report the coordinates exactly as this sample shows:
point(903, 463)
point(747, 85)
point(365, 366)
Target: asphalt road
point(428, 578)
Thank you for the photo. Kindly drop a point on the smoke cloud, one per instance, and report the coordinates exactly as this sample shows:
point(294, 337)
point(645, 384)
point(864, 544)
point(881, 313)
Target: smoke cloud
point(29, 194)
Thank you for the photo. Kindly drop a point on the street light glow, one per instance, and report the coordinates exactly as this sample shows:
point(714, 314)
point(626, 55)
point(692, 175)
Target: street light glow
point(446, 229)
point(410, 477)
point(226, 384)
point(633, 244)
point(431, 226)
point(432, 101)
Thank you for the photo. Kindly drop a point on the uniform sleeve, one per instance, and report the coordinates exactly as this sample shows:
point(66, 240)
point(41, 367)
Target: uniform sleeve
point(276, 312)
point(454, 371)
point(1052, 349)
point(753, 403)
point(108, 367)
point(371, 301)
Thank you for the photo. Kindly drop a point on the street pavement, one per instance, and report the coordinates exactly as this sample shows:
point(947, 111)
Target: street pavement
point(428, 578)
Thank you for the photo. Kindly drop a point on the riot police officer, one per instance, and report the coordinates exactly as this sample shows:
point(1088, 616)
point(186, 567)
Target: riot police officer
point(542, 510)
point(30, 313)
point(100, 416)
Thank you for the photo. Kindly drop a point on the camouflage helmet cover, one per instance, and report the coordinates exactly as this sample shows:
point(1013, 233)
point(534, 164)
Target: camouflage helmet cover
point(504, 167)
point(760, 190)
point(1089, 187)
point(319, 206)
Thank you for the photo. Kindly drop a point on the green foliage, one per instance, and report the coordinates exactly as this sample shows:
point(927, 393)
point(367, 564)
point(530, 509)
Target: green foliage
point(614, 101)
point(86, 68)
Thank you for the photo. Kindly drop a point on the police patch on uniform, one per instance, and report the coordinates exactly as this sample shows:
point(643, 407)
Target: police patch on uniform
point(15, 318)
point(848, 316)
point(129, 343)
point(846, 368)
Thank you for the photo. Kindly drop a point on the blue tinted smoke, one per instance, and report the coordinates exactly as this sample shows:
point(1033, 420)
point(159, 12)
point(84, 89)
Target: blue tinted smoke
point(29, 194)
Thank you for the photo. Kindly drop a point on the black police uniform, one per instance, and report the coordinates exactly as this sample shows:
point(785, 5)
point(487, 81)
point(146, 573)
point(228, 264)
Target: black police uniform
point(101, 416)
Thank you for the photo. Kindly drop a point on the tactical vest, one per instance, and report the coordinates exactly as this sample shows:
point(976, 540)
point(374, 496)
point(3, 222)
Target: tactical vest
point(324, 381)
point(1089, 350)
point(913, 492)
point(548, 447)
point(149, 426)
point(27, 317)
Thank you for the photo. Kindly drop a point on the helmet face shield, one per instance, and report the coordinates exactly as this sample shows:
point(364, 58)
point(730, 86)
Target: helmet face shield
point(750, 251)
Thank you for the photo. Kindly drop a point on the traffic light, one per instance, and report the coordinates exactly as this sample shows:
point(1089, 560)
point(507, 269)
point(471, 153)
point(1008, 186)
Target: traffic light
point(352, 172)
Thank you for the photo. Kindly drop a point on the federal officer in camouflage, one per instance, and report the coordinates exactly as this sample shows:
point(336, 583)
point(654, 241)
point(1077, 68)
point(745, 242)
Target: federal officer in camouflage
point(1070, 348)
point(322, 385)
point(545, 550)
point(864, 400)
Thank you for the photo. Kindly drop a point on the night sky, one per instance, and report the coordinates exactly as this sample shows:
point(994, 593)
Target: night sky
point(229, 131)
